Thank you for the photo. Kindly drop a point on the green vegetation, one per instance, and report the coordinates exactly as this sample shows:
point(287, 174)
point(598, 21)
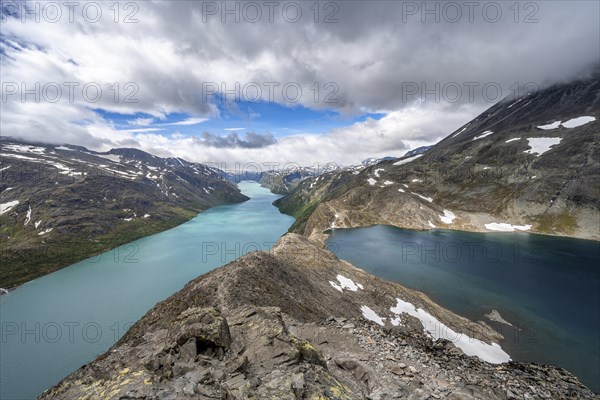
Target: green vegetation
point(298, 210)
point(564, 223)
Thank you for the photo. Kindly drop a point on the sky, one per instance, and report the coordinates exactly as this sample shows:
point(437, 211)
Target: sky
point(278, 82)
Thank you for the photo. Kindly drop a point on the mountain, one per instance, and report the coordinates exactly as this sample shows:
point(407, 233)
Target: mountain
point(372, 161)
point(297, 323)
point(528, 164)
point(283, 181)
point(418, 150)
point(62, 204)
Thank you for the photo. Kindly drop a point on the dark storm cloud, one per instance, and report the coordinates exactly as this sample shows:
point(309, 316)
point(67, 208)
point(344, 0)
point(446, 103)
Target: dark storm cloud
point(380, 50)
point(250, 140)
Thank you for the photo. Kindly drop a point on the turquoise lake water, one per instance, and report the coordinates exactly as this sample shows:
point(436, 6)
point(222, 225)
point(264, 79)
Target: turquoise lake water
point(548, 288)
point(55, 324)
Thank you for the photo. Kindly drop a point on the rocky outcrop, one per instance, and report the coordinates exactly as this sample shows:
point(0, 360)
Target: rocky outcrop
point(297, 323)
point(526, 164)
point(70, 203)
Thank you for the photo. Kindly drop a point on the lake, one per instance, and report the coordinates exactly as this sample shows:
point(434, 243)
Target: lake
point(55, 324)
point(547, 287)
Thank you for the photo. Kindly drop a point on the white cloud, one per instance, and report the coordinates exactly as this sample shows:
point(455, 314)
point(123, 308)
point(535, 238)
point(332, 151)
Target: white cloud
point(141, 122)
point(189, 121)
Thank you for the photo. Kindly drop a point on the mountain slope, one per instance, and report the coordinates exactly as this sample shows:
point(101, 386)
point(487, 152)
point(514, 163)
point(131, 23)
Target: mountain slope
point(62, 204)
point(529, 164)
point(297, 323)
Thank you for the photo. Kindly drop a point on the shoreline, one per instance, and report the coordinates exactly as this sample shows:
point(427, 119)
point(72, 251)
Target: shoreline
point(184, 218)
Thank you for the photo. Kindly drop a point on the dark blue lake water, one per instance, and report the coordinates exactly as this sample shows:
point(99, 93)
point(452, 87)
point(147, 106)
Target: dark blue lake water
point(547, 287)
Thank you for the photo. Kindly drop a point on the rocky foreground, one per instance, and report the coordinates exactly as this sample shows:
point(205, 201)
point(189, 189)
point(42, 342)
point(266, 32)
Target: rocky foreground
point(297, 323)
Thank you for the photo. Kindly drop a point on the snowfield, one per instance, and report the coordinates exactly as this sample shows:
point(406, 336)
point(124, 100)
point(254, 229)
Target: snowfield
point(407, 160)
point(448, 217)
point(345, 283)
point(491, 353)
point(5, 207)
point(541, 145)
point(579, 121)
point(572, 123)
point(429, 199)
point(484, 134)
point(548, 127)
point(503, 227)
point(371, 315)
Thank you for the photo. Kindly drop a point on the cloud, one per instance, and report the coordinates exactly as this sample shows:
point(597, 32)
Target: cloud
point(189, 121)
point(138, 130)
point(234, 129)
point(250, 140)
point(368, 61)
point(141, 122)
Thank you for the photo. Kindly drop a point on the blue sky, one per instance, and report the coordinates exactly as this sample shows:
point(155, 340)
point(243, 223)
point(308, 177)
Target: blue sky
point(261, 117)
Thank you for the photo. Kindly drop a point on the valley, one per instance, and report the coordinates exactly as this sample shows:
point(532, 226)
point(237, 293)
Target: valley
point(63, 204)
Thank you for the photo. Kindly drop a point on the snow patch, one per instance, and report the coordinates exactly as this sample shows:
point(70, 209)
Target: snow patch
point(491, 353)
point(503, 227)
point(345, 283)
point(111, 157)
point(514, 103)
point(548, 127)
point(401, 190)
point(407, 160)
point(541, 145)
point(376, 172)
point(431, 224)
point(5, 207)
point(387, 183)
point(579, 121)
point(484, 134)
point(448, 217)
point(46, 231)
point(37, 224)
point(371, 181)
point(24, 148)
point(28, 216)
point(371, 315)
point(513, 139)
point(461, 131)
point(429, 199)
